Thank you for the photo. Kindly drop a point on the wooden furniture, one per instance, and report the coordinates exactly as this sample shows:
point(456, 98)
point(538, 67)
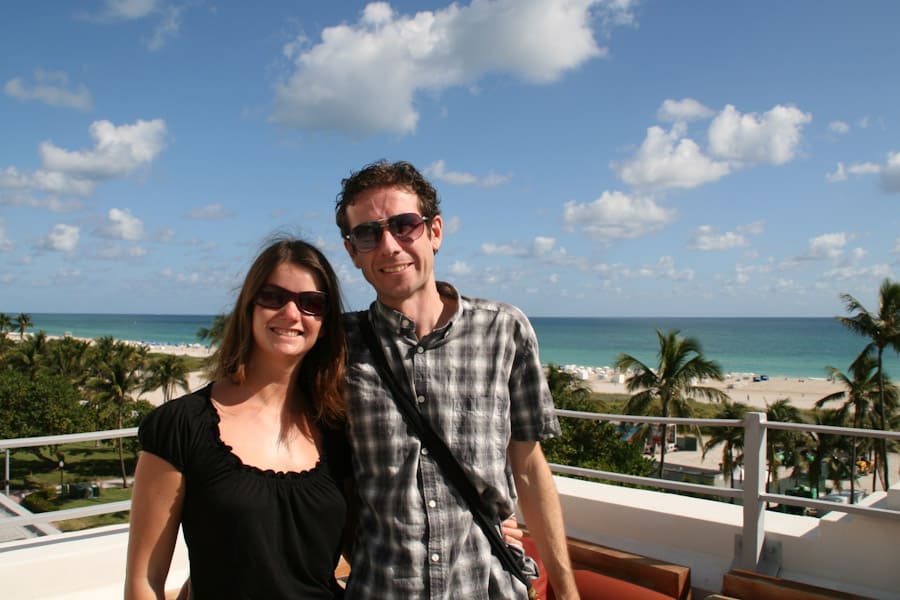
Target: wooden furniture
point(604, 573)
point(738, 584)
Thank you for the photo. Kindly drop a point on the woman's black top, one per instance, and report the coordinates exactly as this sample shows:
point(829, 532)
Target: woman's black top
point(251, 533)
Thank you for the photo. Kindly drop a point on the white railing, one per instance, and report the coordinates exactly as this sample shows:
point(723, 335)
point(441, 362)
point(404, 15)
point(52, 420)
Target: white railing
point(753, 496)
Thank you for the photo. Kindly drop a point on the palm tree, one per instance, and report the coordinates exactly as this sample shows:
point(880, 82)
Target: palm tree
point(5, 324)
point(665, 390)
point(29, 354)
point(23, 322)
point(826, 454)
point(118, 375)
point(68, 358)
point(215, 332)
point(731, 438)
point(168, 372)
point(861, 395)
point(883, 328)
point(781, 445)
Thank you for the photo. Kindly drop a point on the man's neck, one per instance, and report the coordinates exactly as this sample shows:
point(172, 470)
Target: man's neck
point(428, 311)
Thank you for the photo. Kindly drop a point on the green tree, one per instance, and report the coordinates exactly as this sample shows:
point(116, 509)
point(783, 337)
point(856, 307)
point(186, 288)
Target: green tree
point(781, 445)
point(883, 328)
point(665, 390)
point(587, 443)
point(67, 357)
point(215, 332)
point(5, 324)
point(23, 322)
point(119, 374)
point(731, 438)
point(861, 396)
point(825, 454)
point(28, 354)
point(168, 372)
point(38, 406)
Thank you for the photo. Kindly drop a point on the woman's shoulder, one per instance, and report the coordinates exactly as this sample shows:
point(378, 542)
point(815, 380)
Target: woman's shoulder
point(183, 407)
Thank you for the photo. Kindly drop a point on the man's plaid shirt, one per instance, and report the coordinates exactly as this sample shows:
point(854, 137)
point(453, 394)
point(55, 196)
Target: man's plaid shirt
point(480, 383)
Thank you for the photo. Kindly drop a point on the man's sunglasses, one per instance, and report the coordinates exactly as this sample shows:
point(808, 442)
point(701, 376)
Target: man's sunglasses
point(406, 227)
point(274, 297)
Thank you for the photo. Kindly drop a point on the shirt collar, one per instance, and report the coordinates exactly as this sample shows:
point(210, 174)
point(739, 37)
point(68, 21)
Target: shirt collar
point(397, 322)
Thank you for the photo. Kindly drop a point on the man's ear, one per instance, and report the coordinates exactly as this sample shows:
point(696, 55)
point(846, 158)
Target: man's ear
point(436, 225)
point(354, 255)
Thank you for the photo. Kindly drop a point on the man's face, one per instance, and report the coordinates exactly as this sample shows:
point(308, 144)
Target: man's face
point(400, 271)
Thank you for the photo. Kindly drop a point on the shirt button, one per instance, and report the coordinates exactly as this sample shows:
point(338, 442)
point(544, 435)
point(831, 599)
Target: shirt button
point(435, 557)
point(420, 399)
point(424, 451)
point(432, 503)
point(404, 323)
point(420, 349)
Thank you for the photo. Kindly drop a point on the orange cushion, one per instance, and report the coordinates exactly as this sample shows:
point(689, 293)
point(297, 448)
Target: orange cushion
point(591, 585)
point(594, 586)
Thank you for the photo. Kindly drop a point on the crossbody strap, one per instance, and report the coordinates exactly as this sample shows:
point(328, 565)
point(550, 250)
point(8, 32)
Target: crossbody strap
point(441, 453)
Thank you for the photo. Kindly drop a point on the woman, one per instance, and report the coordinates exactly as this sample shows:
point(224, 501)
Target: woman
point(253, 465)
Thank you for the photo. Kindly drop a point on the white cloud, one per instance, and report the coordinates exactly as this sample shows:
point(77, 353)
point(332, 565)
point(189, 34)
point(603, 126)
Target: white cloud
point(897, 246)
point(452, 225)
point(663, 269)
point(113, 252)
point(460, 269)
point(839, 127)
point(772, 138)
point(669, 160)
point(6, 244)
point(49, 203)
point(50, 87)
point(387, 58)
point(166, 29)
point(121, 225)
point(874, 272)
point(438, 170)
point(540, 247)
point(62, 238)
point(616, 215)
point(829, 245)
point(119, 150)
point(864, 169)
point(890, 175)
point(674, 111)
point(754, 228)
point(707, 237)
point(210, 212)
point(839, 174)
point(51, 182)
point(129, 10)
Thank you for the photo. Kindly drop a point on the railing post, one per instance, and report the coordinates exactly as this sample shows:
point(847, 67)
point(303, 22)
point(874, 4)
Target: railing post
point(754, 529)
point(6, 474)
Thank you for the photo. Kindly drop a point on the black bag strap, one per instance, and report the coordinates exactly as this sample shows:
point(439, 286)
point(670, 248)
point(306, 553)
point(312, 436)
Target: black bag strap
point(442, 454)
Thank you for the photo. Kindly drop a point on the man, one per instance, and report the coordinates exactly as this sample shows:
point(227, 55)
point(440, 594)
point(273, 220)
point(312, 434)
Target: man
point(473, 367)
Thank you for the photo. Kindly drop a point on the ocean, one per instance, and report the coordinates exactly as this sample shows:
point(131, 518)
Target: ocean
point(788, 347)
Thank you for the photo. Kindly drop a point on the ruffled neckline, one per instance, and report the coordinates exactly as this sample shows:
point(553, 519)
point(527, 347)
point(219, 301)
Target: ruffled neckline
point(235, 461)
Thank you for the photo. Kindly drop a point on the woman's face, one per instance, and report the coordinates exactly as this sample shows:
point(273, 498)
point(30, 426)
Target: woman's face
point(286, 333)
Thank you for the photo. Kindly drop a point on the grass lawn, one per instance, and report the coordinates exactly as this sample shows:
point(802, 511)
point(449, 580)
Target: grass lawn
point(85, 461)
point(106, 495)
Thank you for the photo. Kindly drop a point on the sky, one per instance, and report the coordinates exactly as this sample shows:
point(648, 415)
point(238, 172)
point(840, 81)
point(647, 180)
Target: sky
point(598, 158)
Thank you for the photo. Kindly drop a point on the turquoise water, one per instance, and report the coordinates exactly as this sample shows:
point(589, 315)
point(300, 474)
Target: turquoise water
point(787, 347)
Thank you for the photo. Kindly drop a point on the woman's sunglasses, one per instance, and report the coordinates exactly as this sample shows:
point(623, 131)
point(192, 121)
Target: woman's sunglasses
point(406, 227)
point(274, 297)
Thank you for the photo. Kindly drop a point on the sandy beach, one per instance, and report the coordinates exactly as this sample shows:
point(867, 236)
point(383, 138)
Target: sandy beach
point(802, 392)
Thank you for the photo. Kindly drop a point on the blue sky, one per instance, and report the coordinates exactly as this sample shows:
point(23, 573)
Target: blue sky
point(593, 158)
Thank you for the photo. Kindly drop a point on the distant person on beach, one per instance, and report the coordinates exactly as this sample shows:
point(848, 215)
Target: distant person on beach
point(473, 367)
point(253, 466)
